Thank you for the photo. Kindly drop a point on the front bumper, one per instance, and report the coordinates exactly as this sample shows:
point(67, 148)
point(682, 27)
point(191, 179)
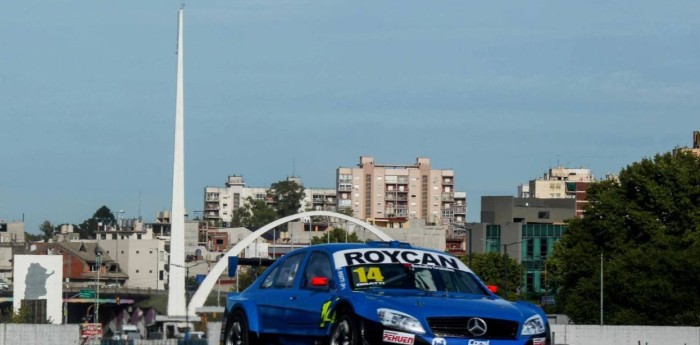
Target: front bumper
point(375, 333)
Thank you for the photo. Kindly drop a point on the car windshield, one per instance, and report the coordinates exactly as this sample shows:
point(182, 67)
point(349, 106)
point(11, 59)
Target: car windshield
point(409, 276)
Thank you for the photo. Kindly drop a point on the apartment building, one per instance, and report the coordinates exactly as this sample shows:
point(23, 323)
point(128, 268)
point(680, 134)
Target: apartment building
point(391, 194)
point(11, 243)
point(144, 261)
point(220, 202)
point(560, 183)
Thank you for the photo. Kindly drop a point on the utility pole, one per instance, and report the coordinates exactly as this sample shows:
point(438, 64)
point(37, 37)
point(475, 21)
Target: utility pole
point(601, 289)
point(505, 262)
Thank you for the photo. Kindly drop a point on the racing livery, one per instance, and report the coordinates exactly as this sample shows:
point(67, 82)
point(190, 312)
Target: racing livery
point(377, 293)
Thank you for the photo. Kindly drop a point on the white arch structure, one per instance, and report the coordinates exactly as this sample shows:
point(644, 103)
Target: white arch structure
point(207, 285)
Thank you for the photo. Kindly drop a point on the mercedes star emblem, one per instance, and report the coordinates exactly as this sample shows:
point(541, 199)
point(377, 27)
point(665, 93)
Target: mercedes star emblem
point(476, 326)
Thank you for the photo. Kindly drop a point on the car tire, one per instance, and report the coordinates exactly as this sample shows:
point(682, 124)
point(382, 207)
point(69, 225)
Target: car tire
point(237, 330)
point(345, 330)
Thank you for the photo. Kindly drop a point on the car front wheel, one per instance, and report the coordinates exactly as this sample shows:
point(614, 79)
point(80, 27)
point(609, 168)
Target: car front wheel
point(345, 330)
point(237, 332)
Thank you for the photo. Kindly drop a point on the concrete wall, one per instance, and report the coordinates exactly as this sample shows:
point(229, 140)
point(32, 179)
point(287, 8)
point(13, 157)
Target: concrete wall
point(625, 335)
point(12, 334)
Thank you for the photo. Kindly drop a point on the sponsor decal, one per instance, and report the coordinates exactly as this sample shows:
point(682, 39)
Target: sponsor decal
point(478, 342)
point(341, 279)
point(439, 341)
point(539, 341)
point(365, 276)
point(398, 337)
point(326, 315)
point(396, 256)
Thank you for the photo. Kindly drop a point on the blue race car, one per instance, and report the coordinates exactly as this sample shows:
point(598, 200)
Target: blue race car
point(377, 293)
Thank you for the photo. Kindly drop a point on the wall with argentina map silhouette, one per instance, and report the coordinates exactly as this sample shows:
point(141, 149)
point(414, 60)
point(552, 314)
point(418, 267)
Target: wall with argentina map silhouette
point(39, 277)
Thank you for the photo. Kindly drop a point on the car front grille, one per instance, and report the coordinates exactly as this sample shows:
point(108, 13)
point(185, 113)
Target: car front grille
point(457, 327)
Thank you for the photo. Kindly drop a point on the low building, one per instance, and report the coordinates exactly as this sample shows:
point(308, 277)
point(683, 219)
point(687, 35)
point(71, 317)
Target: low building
point(12, 242)
point(144, 261)
point(81, 264)
point(523, 228)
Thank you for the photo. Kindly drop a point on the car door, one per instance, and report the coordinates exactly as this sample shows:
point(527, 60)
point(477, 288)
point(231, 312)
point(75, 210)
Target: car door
point(274, 293)
point(305, 307)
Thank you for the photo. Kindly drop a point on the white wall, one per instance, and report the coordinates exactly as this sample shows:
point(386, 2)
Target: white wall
point(37, 270)
point(624, 335)
point(26, 334)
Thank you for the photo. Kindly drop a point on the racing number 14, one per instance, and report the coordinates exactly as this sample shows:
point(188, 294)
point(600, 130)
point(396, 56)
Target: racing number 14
point(372, 274)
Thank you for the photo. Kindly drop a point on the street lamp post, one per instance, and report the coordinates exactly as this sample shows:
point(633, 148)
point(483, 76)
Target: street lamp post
point(505, 262)
point(98, 262)
point(187, 311)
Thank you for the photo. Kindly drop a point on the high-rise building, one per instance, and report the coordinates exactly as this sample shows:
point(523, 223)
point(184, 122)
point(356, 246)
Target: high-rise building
point(391, 194)
point(560, 183)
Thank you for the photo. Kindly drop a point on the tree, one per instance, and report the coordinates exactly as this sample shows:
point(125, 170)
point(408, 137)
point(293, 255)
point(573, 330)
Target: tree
point(47, 229)
point(89, 226)
point(337, 235)
point(490, 268)
point(646, 227)
point(8, 315)
point(253, 213)
point(286, 196)
point(33, 237)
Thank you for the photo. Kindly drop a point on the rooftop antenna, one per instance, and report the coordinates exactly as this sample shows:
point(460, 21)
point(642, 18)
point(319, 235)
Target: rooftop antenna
point(294, 166)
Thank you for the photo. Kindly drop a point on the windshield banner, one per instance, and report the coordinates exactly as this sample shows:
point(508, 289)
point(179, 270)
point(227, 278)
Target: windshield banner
point(353, 257)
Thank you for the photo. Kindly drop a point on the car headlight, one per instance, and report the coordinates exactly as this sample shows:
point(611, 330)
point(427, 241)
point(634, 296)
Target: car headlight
point(398, 320)
point(533, 325)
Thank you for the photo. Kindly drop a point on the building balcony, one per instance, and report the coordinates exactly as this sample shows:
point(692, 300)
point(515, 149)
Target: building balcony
point(459, 209)
point(211, 215)
point(212, 207)
point(448, 181)
point(448, 196)
point(343, 188)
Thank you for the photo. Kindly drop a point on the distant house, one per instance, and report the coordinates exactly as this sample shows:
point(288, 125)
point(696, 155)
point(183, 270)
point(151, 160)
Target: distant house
point(80, 263)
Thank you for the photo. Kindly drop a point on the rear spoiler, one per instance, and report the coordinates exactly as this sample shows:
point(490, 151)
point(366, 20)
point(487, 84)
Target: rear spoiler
point(234, 262)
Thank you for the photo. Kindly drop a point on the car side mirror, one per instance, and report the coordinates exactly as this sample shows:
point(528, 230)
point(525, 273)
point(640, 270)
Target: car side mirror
point(319, 281)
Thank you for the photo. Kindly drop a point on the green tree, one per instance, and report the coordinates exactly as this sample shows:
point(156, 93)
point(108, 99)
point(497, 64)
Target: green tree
point(33, 237)
point(337, 235)
point(89, 226)
point(647, 229)
point(253, 213)
point(286, 196)
point(490, 267)
point(21, 316)
point(47, 230)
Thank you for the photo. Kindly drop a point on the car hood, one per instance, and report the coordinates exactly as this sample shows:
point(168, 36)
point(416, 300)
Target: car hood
point(439, 304)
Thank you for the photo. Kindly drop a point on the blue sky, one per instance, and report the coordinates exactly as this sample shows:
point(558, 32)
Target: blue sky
point(499, 92)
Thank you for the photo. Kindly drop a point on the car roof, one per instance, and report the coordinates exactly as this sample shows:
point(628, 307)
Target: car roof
point(336, 247)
